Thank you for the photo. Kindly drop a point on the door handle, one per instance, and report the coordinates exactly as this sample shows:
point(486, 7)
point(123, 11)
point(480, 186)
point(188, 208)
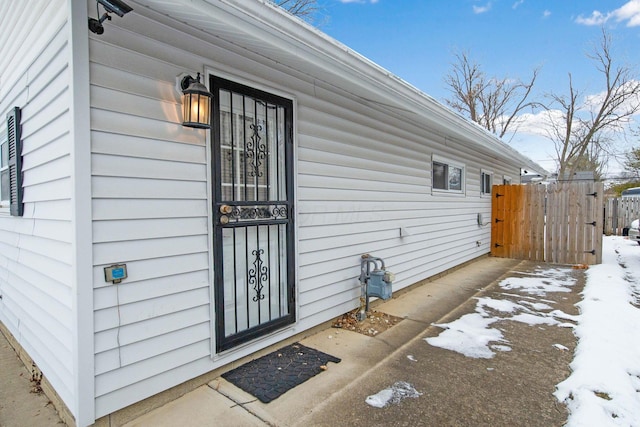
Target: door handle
point(226, 209)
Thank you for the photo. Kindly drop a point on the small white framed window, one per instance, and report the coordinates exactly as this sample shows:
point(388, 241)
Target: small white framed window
point(486, 181)
point(447, 175)
point(506, 180)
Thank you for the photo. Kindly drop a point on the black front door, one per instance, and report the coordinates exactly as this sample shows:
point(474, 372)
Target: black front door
point(253, 212)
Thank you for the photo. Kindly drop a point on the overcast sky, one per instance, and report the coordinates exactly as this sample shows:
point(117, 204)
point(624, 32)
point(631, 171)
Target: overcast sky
point(416, 39)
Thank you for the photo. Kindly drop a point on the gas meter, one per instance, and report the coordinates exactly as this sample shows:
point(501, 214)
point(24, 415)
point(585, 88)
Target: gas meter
point(374, 282)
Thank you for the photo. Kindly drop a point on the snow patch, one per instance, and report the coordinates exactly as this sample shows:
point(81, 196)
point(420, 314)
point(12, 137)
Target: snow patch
point(537, 285)
point(538, 306)
point(393, 395)
point(501, 305)
point(533, 319)
point(469, 335)
point(472, 335)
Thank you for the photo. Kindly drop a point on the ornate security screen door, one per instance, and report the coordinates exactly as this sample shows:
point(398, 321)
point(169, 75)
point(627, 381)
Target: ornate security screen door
point(253, 212)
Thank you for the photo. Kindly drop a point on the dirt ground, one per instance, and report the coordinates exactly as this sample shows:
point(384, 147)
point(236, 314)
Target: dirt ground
point(22, 402)
point(376, 322)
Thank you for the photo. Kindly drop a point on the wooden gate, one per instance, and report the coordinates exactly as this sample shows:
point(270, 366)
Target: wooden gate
point(560, 223)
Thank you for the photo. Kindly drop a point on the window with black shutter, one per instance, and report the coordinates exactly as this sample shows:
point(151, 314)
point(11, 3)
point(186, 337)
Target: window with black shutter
point(5, 194)
point(11, 175)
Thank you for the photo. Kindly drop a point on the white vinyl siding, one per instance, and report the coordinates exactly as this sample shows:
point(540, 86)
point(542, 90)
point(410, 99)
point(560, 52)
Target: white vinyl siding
point(363, 170)
point(361, 175)
point(361, 178)
point(36, 261)
point(150, 211)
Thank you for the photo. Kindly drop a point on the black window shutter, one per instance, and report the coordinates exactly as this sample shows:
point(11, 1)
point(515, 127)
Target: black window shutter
point(15, 161)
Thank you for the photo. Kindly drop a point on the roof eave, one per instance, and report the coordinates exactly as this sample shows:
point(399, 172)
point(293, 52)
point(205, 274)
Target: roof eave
point(353, 68)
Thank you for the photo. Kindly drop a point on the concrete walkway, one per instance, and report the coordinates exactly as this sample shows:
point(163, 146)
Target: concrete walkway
point(513, 388)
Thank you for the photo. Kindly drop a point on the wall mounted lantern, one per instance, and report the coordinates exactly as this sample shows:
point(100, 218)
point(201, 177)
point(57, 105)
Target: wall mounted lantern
point(196, 103)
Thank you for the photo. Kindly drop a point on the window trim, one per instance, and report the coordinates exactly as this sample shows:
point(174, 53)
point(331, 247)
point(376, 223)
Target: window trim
point(486, 191)
point(449, 163)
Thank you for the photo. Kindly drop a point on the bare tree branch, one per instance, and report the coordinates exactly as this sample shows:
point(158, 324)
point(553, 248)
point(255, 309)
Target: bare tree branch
point(632, 158)
point(305, 9)
point(466, 81)
point(491, 102)
point(588, 124)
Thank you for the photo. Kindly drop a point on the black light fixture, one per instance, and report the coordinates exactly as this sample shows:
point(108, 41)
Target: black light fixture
point(196, 103)
point(118, 7)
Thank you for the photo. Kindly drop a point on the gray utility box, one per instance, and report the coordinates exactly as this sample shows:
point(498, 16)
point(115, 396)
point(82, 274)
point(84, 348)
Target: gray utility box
point(379, 284)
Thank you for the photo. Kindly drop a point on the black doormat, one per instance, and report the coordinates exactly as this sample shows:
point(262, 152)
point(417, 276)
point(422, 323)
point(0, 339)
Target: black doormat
point(276, 373)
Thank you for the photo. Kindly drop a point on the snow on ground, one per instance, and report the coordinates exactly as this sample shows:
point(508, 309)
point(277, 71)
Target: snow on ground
point(393, 395)
point(472, 335)
point(604, 386)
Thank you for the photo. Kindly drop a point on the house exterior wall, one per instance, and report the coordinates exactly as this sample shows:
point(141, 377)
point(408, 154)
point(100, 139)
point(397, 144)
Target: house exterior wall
point(362, 173)
point(36, 260)
point(150, 211)
point(360, 176)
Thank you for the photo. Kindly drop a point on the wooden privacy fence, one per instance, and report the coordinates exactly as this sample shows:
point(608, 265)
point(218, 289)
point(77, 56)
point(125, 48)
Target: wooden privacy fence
point(618, 214)
point(560, 223)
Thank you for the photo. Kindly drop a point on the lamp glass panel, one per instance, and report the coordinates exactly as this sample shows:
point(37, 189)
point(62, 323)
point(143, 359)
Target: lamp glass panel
point(203, 105)
point(186, 108)
point(196, 109)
